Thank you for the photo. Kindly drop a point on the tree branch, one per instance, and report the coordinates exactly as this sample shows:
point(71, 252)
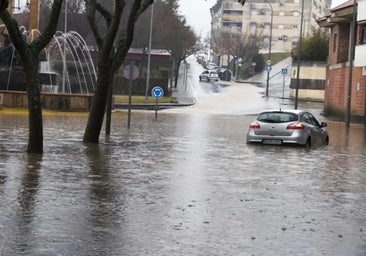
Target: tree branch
point(105, 13)
point(41, 42)
point(13, 29)
point(3, 5)
point(91, 15)
point(127, 35)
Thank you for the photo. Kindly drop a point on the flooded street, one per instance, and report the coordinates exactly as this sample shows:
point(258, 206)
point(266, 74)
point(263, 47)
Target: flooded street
point(180, 185)
point(184, 184)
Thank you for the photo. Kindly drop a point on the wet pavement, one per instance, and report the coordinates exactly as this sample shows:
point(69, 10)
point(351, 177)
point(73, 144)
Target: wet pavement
point(185, 183)
point(180, 185)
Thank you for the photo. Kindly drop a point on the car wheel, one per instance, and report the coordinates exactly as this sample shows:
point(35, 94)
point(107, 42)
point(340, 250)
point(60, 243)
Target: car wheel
point(326, 142)
point(208, 79)
point(308, 143)
point(200, 79)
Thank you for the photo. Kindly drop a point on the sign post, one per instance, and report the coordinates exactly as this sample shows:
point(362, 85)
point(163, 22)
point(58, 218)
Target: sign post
point(130, 72)
point(157, 92)
point(284, 72)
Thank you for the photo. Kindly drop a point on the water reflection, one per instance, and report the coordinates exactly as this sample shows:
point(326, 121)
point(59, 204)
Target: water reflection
point(27, 204)
point(180, 185)
point(351, 140)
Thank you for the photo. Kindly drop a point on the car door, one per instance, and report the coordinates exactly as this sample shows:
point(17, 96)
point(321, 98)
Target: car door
point(316, 132)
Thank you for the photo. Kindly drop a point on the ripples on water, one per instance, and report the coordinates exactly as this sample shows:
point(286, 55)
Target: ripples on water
point(180, 185)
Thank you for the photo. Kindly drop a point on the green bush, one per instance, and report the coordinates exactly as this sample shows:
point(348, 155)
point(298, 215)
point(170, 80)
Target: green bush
point(313, 48)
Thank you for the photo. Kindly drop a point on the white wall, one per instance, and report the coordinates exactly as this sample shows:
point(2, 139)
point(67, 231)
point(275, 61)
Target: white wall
point(361, 14)
point(360, 56)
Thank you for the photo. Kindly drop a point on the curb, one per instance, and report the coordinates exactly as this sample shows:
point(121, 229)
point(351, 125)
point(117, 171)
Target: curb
point(152, 106)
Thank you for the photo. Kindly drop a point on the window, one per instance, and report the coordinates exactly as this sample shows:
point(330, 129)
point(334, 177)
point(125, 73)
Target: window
point(362, 34)
point(296, 13)
point(295, 26)
point(281, 13)
point(267, 12)
point(281, 26)
point(277, 117)
point(267, 25)
point(253, 25)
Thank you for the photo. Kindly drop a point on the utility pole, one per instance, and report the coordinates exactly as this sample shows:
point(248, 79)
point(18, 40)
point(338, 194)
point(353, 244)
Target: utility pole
point(299, 57)
point(351, 59)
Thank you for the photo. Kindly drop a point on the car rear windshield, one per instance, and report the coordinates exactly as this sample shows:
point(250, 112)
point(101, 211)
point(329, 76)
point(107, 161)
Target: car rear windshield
point(277, 117)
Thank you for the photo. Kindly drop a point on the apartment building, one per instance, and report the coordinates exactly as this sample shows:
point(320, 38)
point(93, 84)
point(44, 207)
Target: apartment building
point(277, 20)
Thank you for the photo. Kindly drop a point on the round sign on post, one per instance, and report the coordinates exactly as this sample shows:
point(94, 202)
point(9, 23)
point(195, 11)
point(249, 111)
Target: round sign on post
point(269, 62)
point(131, 72)
point(157, 92)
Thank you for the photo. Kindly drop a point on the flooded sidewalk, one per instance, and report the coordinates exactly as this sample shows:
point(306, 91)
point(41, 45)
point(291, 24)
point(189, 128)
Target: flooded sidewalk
point(179, 185)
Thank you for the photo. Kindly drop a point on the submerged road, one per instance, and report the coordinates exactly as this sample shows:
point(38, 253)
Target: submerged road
point(184, 184)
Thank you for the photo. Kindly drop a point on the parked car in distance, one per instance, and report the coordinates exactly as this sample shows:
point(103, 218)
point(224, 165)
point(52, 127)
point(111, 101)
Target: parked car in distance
point(295, 127)
point(209, 75)
point(211, 66)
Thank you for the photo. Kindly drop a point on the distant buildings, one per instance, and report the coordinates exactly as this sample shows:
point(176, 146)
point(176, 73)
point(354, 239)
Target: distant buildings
point(230, 17)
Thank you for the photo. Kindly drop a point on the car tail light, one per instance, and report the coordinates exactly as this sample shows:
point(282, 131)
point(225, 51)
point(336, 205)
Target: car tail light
point(254, 125)
point(295, 126)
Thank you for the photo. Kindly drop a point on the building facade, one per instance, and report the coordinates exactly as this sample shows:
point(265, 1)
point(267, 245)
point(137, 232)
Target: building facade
point(345, 93)
point(278, 21)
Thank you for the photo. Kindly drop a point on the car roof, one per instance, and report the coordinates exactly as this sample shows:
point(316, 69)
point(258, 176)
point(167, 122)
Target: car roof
point(294, 111)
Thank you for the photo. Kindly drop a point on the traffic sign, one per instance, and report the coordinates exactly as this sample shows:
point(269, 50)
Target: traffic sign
point(269, 62)
point(284, 71)
point(157, 92)
point(268, 68)
point(131, 72)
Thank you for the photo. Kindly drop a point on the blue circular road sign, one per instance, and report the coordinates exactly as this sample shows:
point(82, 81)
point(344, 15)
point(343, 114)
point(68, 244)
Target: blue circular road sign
point(157, 92)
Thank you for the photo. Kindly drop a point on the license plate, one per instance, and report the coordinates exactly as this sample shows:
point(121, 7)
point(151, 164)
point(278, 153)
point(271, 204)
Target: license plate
point(272, 142)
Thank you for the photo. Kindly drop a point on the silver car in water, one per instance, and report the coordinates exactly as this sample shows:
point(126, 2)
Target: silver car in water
point(296, 127)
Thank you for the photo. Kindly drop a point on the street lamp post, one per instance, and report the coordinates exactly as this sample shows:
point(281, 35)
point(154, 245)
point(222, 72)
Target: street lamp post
point(64, 66)
point(270, 46)
point(299, 57)
point(149, 54)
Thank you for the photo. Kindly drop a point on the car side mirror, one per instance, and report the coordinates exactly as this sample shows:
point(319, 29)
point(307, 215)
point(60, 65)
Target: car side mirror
point(323, 124)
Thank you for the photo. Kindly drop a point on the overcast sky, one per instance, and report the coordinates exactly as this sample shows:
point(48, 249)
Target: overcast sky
point(335, 3)
point(197, 13)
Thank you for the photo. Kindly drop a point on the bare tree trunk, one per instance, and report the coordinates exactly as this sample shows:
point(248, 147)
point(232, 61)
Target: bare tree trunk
point(109, 60)
point(176, 72)
point(97, 111)
point(29, 55)
point(35, 137)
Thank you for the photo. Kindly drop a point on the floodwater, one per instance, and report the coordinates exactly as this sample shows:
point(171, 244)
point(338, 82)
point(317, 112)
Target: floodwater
point(184, 184)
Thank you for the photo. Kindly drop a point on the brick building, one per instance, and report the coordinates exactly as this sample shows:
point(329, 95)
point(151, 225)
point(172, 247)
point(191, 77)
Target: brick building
point(338, 89)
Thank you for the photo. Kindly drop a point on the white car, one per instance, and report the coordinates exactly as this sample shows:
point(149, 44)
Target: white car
point(296, 127)
point(209, 75)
